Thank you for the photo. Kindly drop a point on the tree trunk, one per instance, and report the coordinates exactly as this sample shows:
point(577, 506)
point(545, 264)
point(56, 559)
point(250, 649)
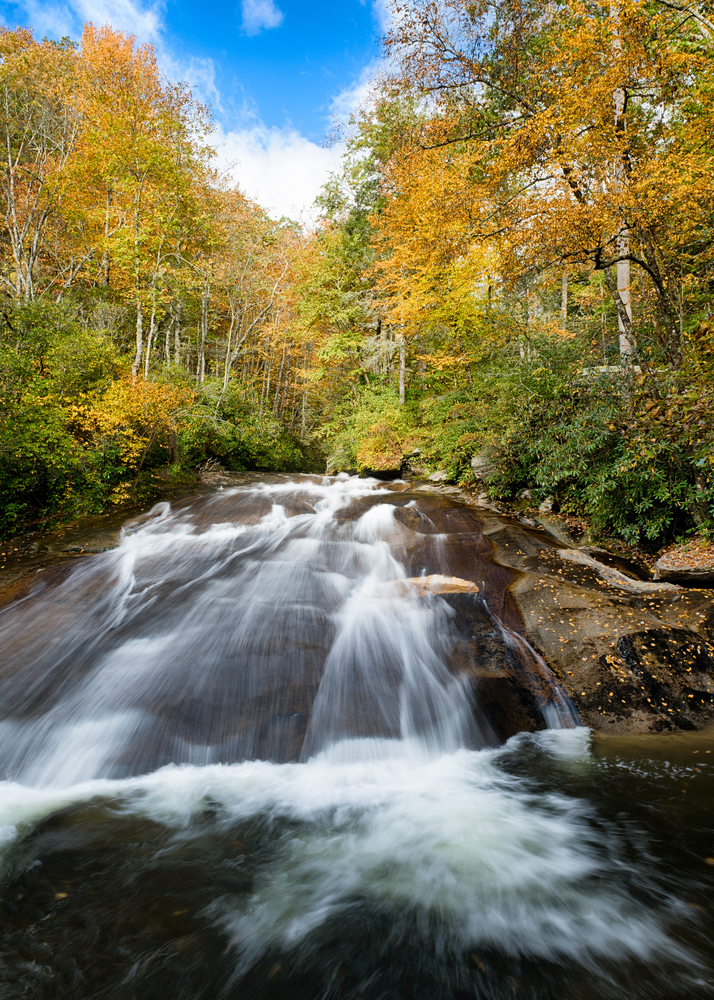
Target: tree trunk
point(152, 330)
point(624, 316)
point(622, 301)
point(276, 399)
point(172, 443)
point(139, 341)
point(286, 390)
point(267, 370)
point(627, 342)
point(205, 299)
point(467, 366)
point(564, 299)
point(669, 308)
point(167, 342)
point(177, 333)
point(402, 369)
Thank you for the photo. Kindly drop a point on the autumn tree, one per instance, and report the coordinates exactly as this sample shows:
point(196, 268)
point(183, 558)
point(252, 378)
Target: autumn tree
point(40, 127)
point(141, 158)
point(577, 118)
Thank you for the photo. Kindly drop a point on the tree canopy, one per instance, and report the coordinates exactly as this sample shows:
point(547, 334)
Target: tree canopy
point(514, 261)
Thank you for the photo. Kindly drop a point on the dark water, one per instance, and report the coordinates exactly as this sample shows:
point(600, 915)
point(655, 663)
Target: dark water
point(247, 756)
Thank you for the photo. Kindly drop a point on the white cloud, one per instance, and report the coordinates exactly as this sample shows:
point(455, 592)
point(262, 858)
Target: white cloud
point(143, 20)
point(359, 93)
point(44, 19)
point(279, 168)
point(197, 73)
point(383, 13)
point(259, 14)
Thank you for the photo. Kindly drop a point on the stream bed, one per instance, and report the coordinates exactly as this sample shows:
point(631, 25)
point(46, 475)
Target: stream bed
point(254, 752)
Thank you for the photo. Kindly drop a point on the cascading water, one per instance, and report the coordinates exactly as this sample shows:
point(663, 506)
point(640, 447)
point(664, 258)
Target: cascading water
point(201, 639)
point(342, 822)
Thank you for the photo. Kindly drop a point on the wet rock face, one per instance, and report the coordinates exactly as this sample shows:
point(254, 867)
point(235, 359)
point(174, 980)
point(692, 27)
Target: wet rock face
point(672, 674)
point(635, 656)
point(506, 703)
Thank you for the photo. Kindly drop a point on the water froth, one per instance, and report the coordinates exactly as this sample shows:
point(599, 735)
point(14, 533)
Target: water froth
point(449, 841)
point(189, 643)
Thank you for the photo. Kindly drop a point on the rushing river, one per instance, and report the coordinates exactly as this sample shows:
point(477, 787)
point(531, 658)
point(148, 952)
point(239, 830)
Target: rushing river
point(249, 755)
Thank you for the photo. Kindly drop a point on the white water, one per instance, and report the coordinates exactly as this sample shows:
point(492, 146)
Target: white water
point(388, 804)
point(446, 838)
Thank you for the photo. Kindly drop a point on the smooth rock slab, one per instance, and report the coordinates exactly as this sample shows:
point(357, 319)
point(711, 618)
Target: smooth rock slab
point(694, 576)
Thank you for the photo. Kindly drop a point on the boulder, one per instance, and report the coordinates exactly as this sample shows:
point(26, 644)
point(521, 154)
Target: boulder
point(631, 566)
point(436, 583)
point(688, 570)
point(611, 574)
point(695, 576)
point(442, 476)
point(482, 464)
point(385, 475)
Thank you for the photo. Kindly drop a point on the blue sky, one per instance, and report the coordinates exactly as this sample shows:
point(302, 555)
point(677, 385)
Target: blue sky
point(275, 73)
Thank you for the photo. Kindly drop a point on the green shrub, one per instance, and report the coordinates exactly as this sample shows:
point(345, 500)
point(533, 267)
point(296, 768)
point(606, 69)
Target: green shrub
point(223, 426)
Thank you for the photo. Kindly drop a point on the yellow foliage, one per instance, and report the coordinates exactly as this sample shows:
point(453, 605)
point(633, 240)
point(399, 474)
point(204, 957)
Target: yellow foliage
point(577, 136)
point(380, 450)
point(131, 415)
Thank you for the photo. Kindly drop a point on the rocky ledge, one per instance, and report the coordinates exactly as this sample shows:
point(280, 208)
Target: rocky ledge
point(635, 655)
point(691, 564)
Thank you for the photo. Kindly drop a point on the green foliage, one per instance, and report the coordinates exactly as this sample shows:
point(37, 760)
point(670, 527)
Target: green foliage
point(46, 473)
point(225, 427)
point(371, 430)
point(607, 450)
point(631, 453)
point(76, 436)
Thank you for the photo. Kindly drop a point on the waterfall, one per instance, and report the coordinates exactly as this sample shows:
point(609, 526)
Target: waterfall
point(247, 753)
point(265, 622)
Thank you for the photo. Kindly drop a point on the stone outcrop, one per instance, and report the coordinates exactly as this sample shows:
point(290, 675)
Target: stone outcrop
point(672, 571)
point(482, 465)
point(634, 655)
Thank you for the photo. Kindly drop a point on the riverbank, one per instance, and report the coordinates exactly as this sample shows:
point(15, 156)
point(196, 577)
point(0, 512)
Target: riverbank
point(633, 651)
